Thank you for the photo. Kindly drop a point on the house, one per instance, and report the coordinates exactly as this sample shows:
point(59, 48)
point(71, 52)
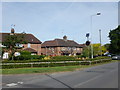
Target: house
point(33, 44)
point(61, 47)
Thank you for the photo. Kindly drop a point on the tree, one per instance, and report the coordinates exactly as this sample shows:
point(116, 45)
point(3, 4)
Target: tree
point(107, 46)
point(96, 50)
point(11, 41)
point(86, 51)
point(114, 36)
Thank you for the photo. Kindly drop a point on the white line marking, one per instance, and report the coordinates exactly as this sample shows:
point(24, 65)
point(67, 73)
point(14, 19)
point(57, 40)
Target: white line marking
point(87, 81)
point(20, 82)
point(11, 84)
point(91, 79)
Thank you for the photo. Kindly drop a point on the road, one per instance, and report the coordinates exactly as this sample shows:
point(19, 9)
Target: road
point(102, 76)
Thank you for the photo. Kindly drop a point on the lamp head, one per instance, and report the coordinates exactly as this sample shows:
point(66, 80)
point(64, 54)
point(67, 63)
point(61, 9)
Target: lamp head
point(98, 13)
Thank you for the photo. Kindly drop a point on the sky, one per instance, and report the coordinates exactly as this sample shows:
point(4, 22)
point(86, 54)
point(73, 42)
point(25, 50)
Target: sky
point(50, 20)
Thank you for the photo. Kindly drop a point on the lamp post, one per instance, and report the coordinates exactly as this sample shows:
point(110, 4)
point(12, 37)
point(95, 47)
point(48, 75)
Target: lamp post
point(100, 42)
point(97, 14)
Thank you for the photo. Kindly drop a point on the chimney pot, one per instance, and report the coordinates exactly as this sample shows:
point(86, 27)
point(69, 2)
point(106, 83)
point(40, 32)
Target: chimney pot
point(65, 38)
point(12, 30)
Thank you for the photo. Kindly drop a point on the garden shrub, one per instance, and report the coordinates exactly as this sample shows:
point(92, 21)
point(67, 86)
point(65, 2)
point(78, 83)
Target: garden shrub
point(79, 56)
point(40, 58)
point(15, 66)
point(25, 53)
point(52, 64)
point(28, 57)
point(84, 63)
point(63, 58)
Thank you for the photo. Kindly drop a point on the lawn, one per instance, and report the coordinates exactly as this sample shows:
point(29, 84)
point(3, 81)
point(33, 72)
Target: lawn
point(47, 69)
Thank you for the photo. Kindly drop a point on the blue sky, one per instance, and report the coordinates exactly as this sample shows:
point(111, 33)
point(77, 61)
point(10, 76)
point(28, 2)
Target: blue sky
point(50, 20)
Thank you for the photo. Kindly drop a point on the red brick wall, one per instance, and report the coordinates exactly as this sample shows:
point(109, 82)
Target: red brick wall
point(25, 46)
point(36, 47)
point(48, 51)
point(57, 51)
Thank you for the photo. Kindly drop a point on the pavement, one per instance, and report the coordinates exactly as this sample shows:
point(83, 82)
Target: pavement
point(102, 76)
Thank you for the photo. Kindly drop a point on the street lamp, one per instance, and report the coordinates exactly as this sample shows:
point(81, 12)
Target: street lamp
point(97, 14)
point(100, 42)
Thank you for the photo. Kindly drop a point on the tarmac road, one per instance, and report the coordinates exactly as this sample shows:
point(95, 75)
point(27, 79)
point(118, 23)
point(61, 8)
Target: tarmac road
point(102, 76)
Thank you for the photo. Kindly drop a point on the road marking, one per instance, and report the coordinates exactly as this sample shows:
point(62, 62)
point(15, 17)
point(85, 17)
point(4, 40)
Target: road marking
point(91, 79)
point(87, 81)
point(20, 82)
point(11, 84)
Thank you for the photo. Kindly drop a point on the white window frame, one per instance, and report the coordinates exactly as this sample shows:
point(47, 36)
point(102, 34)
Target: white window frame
point(29, 45)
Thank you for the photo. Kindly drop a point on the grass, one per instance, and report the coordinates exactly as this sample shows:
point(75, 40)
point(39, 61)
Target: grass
point(44, 70)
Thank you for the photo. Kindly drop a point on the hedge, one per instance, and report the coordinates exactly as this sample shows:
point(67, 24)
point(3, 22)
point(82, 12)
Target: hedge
point(16, 66)
point(51, 64)
point(27, 57)
point(37, 58)
point(63, 58)
point(39, 65)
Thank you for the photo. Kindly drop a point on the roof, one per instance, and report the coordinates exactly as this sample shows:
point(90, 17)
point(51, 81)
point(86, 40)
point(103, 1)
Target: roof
point(82, 45)
point(30, 50)
point(60, 43)
point(30, 38)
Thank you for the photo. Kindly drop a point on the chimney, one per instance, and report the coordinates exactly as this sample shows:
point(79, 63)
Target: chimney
point(65, 38)
point(12, 29)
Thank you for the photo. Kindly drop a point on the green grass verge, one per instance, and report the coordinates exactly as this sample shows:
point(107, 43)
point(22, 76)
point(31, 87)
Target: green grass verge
point(47, 69)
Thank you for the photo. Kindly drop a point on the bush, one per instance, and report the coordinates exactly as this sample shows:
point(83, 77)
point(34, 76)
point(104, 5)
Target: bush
point(40, 58)
point(84, 63)
point(27, 57)
point(20, 61)
point(102, 57)
point(39, 65)
point(15, 66)
point(63, 58)
point(25, 53)
point(79, 56)
point(37, 57)
point(52, 64)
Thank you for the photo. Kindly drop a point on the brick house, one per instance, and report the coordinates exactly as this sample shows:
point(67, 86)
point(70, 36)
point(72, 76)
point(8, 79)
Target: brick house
point(33, 44)
point(61, 47)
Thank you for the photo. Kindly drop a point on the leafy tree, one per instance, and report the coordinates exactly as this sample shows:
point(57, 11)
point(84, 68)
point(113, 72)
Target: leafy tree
point(104, 49)
point(96, 50)
point(86, 51)
point(11, 41)
point(107, 46)
point(114, 36)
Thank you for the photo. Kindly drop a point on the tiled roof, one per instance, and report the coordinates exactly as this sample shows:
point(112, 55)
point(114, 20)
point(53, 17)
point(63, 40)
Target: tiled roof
point(28, 37)
point(30, 50)
point(60, 43)
point(82, 45)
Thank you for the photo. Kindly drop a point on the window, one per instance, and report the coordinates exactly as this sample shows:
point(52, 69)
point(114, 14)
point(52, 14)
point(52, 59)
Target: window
point(74, 48)
point(63, 48)
point(69, 48)
point(28, 45)
point(19, 45)
point(78, 49)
